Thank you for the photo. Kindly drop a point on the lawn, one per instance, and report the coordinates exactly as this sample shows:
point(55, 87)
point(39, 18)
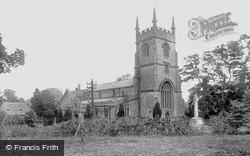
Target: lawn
point(156, 145)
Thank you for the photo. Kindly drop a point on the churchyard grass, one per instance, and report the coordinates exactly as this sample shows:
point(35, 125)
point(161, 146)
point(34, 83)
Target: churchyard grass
point(209, 145)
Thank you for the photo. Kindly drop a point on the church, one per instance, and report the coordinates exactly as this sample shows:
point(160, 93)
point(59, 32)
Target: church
point(156, 79)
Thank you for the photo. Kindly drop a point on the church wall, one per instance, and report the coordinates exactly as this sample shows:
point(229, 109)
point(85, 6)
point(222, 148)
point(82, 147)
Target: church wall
point(147, 104)
point(133, 108)
point(160, 55)
point(147, 79)
point(145, 60)
point(180, 104)
point(162, 75)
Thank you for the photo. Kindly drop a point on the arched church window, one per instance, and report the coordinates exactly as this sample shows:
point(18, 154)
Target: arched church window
point(145, 49)
point(166, 95)
point(166, 49)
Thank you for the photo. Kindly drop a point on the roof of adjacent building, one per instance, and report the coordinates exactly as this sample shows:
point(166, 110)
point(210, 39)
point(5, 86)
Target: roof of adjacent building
point(71, 99)
point(15, 108)
point(116, 84)
point(103, 102)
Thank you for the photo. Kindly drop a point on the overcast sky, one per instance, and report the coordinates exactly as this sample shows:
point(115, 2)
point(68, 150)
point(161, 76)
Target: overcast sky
point(68, 42)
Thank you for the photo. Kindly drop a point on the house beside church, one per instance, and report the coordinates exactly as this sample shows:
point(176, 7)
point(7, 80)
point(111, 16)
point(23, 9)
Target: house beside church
point(156, 78)
point(15, 108)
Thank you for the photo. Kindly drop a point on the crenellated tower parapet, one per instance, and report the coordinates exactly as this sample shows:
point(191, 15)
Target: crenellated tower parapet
point(159, 32)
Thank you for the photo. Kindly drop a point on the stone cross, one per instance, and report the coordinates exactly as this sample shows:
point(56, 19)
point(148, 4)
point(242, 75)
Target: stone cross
point(196, 110)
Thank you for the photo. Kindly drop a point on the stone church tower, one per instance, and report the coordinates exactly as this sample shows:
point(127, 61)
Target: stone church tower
point(156, 75)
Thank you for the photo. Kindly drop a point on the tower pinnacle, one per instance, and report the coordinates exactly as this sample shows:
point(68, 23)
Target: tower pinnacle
point(154, 19)
point(173, 28)
point(173, 24)
point(137, 25)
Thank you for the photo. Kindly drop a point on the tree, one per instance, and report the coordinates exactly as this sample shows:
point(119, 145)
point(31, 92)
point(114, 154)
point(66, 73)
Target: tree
point(9, 61)
point(121, 112)
point(56, 93)
point(157, 111)
point(30, 118)
point(124, 77)
point(10, 96)
point(88, 113)
point(222, 68)
point(44, 104)
point(224, 61)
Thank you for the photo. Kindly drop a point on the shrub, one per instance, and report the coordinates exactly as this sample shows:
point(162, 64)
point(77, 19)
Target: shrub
point(30, 118)
point(21, 131)
point(39, 131)
point(2, 115)
point(14, 120)
point(220, 124)
point(2, 131)
point(121, 112)
point(88, 113)
point(68, 128)
point(238, 114)
point(157, 110)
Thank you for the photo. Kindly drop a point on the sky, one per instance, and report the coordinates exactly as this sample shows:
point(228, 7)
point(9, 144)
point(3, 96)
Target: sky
point(68, 42)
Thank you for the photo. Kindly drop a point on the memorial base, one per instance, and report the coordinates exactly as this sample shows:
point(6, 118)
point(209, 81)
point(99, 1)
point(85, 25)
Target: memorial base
point(196, 122)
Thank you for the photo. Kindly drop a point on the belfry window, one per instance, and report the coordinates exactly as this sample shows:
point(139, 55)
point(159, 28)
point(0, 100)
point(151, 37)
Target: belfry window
point(166, 49)
point(145, 49)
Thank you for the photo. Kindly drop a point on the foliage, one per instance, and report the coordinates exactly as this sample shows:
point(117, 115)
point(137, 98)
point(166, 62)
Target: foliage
point(56, 93)
point(63, 117)
point(222, 76)
point(220, 125)
point(121, 112)
point(9, 61)
point(10, 96)
point(129, 126)
point(30, 118)
point(124, 77)
point(88, 113)
point(157, 110)
point(39, 131)
point(237, 114)
point(68, 128)
point(44, 104)
point(14, 120)
point(2, 116)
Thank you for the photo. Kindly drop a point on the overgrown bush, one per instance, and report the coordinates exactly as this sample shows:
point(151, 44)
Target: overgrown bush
point(157, 110)
point(2, 131)
point(68, 128)
point(30, 118)
point(14, 120)
point(220, 125)
point(238, 114)
point(121, 112)
point(131, 126)
point(88, 114)
point(173, 126)
point(60, 116)
point(2, 115)
point(39, 131)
